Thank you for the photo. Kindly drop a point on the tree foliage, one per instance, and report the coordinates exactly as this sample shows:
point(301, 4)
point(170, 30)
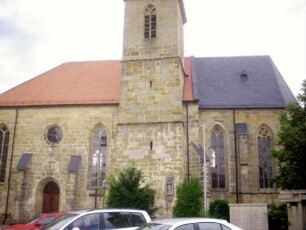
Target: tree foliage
point(219, 209)
point(189, 201)
point(129, 191)
point(292, 141)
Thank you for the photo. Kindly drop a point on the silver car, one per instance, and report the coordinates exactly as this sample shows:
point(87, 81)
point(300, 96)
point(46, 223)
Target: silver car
point(189, 224)
point(96, 219)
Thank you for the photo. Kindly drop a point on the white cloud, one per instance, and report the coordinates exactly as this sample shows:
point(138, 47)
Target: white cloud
point(43, 34)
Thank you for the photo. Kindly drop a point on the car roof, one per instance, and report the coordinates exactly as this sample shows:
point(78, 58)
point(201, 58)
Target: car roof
point(106, 210)
point(172, 221)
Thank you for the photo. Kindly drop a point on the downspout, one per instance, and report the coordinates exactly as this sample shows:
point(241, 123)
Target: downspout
point(204, 170)
point(187, 138)
point(10, 170)
point(236, 155)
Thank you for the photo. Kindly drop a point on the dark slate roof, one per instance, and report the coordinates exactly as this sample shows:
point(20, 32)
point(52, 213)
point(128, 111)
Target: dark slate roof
point(239, 82)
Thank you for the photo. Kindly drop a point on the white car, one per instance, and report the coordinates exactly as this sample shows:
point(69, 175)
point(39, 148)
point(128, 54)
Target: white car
point(96, 219)
point(189, 224)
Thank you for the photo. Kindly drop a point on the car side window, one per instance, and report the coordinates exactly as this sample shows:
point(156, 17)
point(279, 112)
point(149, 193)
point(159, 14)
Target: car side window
point(185, 227)
point(209, 226)
point(114, 220)
point(137, 219)
point(225, 227)
point(87, 222)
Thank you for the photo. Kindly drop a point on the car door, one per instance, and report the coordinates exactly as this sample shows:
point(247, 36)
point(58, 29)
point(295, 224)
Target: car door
point(89, 221)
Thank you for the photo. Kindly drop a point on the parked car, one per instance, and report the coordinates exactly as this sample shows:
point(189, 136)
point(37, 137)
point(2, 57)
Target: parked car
point(35, 224)
point(189, 224)
point(129, 219)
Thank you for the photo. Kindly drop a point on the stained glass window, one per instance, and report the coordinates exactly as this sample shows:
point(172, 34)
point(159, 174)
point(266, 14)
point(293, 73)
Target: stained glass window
point(265, 161)
point(98, 166)
point(217, 158)
point(4, 146)
point(150, 22)
point(54, 134)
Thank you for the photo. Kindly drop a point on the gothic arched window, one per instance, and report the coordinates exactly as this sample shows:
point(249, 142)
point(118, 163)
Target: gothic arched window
point(4, 146)
point(98, 161)
point(265, 163)
point(217, 158)
point(150, 22)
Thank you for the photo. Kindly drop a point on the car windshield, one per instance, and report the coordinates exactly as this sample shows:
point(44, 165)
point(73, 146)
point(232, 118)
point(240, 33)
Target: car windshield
point(33, 220)
point(154, 226)
point(59, 222)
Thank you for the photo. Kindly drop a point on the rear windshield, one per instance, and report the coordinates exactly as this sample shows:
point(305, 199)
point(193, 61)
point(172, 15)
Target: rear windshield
point(154, 226)
point(59, 222)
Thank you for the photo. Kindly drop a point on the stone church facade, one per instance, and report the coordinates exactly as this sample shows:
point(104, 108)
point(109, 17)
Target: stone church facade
point(63, 133)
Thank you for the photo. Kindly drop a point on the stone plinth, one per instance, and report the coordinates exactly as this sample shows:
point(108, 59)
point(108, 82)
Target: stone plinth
point(296, 207)
point(249, 216)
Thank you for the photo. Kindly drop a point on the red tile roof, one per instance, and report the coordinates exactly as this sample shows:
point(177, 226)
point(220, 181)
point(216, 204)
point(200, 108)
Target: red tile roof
point(76, 83)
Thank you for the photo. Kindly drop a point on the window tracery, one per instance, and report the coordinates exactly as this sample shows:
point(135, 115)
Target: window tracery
point(98, 164)
point(217, 158)
point(150, 22)
point(265, 162)
point(4, 145)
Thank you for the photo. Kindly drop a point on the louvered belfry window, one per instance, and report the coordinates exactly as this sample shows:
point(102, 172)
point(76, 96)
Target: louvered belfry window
point(150, 22)
point(4, 146)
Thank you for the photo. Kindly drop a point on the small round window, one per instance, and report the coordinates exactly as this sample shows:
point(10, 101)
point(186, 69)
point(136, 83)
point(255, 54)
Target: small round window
point(54, 134)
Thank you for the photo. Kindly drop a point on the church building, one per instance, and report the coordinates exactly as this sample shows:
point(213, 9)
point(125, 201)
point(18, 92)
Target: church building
point(65, 132)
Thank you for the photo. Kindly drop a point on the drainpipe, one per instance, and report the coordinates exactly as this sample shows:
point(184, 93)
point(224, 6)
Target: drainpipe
point(187, 134)
point(236, 155)
point(204, 170)
point(10, 170)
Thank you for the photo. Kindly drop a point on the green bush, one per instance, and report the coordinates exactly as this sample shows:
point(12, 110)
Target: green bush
point(189, 201)
point(219, 209)
point(277, 216)
point(127, 192)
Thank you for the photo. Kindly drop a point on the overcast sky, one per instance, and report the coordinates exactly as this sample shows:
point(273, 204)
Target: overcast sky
point(38, 35)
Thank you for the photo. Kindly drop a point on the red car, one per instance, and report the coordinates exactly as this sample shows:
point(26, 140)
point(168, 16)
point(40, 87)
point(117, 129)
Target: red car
point(35, 224)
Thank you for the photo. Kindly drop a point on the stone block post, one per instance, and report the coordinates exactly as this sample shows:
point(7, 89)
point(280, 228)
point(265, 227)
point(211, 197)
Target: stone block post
point(296, 208)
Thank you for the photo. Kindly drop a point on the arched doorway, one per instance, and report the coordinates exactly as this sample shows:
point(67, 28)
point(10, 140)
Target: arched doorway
point(51, 194)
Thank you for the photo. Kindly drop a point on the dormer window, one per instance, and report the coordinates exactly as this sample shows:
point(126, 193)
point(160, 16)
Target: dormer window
point(244, 75)
point(150, 22)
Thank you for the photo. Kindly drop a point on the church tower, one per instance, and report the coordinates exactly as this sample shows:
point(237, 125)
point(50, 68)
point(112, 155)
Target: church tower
point(150, 129)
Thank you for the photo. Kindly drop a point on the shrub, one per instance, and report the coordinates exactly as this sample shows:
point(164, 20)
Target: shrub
point(219, 209)
point(277, 216)
point(189, 201)
point(127, 192)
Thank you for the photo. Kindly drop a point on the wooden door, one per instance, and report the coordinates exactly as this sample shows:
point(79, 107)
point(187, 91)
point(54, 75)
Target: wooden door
point(51, 196)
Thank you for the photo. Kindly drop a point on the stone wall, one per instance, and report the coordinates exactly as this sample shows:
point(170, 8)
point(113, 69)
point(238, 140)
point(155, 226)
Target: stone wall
point(246, 150)
point(249, 216)
point(156, 149)
point(50, 162)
